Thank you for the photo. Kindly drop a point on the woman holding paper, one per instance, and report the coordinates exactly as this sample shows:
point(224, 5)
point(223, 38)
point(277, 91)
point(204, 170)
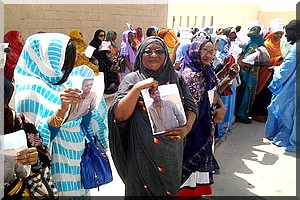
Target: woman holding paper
point(44, 93)
point(36, 155)
point(81, 46)
point(101, 54)
point(149, 165)
point(198, 159)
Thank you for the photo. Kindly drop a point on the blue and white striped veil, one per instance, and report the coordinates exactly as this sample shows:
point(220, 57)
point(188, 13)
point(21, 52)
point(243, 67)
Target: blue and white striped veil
point(38, 69)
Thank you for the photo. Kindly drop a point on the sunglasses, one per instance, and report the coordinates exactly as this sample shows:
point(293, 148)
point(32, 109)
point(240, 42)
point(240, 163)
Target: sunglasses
point(205, 52)
point(158, 52)
point(101, 35)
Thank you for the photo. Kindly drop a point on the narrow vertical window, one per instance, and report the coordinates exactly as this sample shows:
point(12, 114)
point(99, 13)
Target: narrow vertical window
point(180, 19)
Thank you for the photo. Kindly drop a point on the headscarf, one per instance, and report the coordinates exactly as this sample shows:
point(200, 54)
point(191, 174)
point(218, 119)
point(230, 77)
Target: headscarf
point(256, 38)
point(95, 41)
point(139, 37)
point(80, 43)
point(155, 28)
point(181, 51)
point(170, 38)
point(164, 75)
point(228, 30)
point(43, 58)
point(109, 37)
point(12, 37)
point(198, 154)
point(39, 68)
point(192, 60)
point(131, 52)
point(276, 25)
point(125, 137)
point(81, 47)
point(273, 47)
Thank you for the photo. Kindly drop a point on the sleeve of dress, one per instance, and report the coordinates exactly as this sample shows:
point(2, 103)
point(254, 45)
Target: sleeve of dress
point(188, 100)
point(45, 132)
point(124, 51)
point(98, 124)
point(283, 72)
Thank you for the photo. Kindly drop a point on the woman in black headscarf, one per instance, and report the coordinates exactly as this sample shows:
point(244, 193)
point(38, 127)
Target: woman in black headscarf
point(149, 165)
point(104, 63)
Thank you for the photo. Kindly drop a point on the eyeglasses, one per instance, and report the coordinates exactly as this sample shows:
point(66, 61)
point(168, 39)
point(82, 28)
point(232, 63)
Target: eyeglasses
point(158, 52)
point(205, 52)
point(101, 35)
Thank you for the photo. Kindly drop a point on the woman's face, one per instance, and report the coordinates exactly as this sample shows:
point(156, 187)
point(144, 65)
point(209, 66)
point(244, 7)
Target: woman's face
point(207, 53)
point(217, 45)
point(153, 33)
point(153, 57)
point(101, 36)
point(130, 37)
point(21, 39)
point(114, 36)
point(278, 35)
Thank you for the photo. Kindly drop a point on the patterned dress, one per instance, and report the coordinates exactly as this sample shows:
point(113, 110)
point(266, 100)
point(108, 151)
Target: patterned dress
point(38, 69)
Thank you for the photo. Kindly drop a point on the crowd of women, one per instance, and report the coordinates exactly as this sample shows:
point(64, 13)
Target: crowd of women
point(216, 79)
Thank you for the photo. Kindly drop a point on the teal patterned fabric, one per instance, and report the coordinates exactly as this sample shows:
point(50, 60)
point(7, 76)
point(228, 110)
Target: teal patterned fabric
point(39, 67)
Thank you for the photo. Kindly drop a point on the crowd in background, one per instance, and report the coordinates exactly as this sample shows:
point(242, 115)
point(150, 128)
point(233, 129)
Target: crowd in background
point(250, 73)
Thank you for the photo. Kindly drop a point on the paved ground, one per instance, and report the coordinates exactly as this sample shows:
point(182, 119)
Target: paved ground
point(250, 166)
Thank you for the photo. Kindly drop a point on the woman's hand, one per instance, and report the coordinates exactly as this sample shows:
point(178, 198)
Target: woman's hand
point(69, 96)
point(27, 156)
point(218, 114)
point(177, 134)
point(147, 83)
point(233, 72)
point(127, 104)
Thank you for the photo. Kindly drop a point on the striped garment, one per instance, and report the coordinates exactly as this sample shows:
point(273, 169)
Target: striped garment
point(38, 68)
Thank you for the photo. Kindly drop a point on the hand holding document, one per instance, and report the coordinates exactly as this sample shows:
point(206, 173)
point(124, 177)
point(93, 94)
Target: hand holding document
point(105, 45)
point(89, 51)
point(165, 108)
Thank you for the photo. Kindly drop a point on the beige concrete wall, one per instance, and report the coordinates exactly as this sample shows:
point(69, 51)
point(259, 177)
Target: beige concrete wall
point(224, 14)
point(30, 18)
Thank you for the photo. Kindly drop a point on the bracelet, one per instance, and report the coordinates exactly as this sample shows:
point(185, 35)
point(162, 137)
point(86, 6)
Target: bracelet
point(57, 118)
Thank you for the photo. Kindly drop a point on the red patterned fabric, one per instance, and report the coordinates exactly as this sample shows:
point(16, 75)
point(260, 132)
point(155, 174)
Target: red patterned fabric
point(12, 37)
point(198, 191)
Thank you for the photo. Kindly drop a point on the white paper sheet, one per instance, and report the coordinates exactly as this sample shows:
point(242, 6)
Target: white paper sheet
point(105, 45)
point(13, 143)
point(2, 54)
point(89, 51)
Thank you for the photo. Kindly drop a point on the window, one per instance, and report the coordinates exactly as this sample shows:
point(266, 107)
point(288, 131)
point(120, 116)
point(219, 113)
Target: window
point(188, 21)
point(180, 19)
point(173, 22)
point(195, 22)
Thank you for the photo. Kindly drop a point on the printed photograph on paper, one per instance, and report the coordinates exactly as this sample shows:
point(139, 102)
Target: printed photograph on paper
point(92, 89)
point(164, 106)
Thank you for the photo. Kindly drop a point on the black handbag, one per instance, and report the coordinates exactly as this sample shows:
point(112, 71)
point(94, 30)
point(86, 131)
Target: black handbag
point(95, 167)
